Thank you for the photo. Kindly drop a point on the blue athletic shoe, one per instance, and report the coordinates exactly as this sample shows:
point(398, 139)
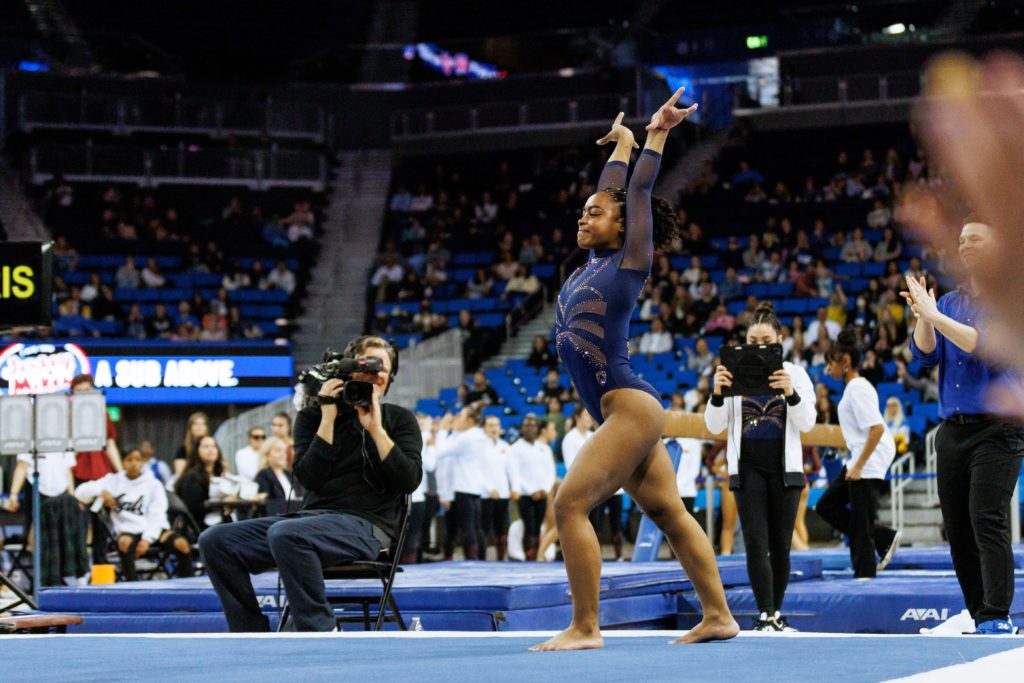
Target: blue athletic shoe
point(995, 627)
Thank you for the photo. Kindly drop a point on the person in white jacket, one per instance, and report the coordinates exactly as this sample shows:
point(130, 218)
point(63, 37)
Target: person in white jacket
point(765, 465)
point(850, 504)
point(138, 511)
point(500, 478)
point(535, 464)
point(461, 456)
point(418, 515)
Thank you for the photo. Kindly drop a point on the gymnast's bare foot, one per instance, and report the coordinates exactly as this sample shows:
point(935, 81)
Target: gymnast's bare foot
point(572, 639)
point(709, 629)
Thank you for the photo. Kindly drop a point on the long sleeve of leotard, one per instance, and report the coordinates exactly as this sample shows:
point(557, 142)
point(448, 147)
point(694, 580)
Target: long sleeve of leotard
point(613, 175)
point(638, 251)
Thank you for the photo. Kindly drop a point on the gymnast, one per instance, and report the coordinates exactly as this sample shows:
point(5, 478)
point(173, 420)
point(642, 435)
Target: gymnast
point(621, 229)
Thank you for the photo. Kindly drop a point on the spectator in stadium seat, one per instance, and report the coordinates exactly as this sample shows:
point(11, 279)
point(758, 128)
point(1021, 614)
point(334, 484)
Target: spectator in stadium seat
point(889, 248)
point(505, 267)
point(857, 249)
point(480, 285)
point(213, 329)
point(247, 458)
point(185, 315)
point(704, 284)
point(734, 254)
point(837, 306)
point(91, 289)
point(721, 322)
point(552, 387)
point(127, 276)
point(753, 257)
point(282, 278)
point(656, 340)
point(680, 304)
point(893, 278)
point(871, 368)
point(771, 268)
point(235, 277)
point(135, 324)
point(524, 282)
point(855, 185)
point(482, 391)
point(103, 307)
point(193, 486)
point(755, 195)
point(879, 217)
point(705, 303)
point(152, 277)
point(276, 481)
point(745, 175)
point(401, 200)
point(198, 426)
point(697, 395)
point(422, 201)
point(927, 383)
point(64, 255)
point(700, 358)
point(541, 355)
point(651, 307)
point(692, 274)
point(161, 324)
point(821, 321)
point(895, 419)
point(810, 193)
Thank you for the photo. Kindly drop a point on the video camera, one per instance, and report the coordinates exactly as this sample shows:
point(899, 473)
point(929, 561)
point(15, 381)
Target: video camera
point(337, 365)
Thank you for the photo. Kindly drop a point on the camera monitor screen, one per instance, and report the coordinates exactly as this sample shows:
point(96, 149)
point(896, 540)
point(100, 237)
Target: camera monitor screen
point(751, 365)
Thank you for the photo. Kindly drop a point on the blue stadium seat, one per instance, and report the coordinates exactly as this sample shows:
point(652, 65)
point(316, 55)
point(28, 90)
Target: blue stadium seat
point(850, 270)
point(929, 411)
point(874, 269)
point(545, 271)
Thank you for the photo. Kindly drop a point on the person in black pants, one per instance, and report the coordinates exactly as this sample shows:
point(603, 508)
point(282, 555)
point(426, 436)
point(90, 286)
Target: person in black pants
point(356, 464)
point(862, 482)
point(978, 454)
point(765, 462)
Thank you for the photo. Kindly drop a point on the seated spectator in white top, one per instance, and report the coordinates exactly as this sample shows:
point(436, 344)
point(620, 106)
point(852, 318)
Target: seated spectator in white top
point(91, 289)
point(657, 340)
point(138, 513)
point(692, 274)
point(814, 329)
point(401, 200)
point(422, 202)
point(856, 249)
point(282, 278)
point(486, 210)
point(880, 216)
point(235, 277)
point(771, 268)
point(127, 276)
point(753, 257)
point(151, 275)
point(389, 271)
point(506, 267)
point(651, 307)
point(524, 282)
point(247, 458)
point(701, 359)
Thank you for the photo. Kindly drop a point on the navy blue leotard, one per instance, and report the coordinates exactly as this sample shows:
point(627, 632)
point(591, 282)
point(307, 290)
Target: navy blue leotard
point(597, 301)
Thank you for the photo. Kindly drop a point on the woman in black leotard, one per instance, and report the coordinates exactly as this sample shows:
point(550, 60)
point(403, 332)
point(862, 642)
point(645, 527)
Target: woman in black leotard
point(592, 319)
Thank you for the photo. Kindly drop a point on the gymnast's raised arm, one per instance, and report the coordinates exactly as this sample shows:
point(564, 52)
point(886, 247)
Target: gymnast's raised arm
point(614, 172)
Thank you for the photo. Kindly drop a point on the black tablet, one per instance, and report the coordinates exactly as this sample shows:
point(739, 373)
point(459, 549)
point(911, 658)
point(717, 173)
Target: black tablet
point(751, 365)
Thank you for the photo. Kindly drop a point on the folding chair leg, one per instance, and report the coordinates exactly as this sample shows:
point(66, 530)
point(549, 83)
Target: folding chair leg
point(285, 613)
point(366, 616)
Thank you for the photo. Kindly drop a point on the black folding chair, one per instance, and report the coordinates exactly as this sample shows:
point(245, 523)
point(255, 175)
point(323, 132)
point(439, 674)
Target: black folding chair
point(382, 569)
point(182, 521)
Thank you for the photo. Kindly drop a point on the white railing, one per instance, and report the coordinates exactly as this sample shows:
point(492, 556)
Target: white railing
point(902, 472)
point(930, 462)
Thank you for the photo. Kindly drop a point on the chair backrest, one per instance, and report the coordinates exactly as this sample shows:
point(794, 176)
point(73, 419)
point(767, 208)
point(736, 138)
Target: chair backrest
point(180, 519)
point(398, 545)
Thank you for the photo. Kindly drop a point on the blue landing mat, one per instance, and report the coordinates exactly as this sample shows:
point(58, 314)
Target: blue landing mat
point(925, 557)
point(440, 586)
point(638, 612)
point(442, 659)
point(896, 604)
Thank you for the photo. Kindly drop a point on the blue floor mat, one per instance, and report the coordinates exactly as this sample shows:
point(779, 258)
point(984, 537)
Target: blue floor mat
point(441, 659)
point(925, 557)
point(442, 585)
point(888, 604)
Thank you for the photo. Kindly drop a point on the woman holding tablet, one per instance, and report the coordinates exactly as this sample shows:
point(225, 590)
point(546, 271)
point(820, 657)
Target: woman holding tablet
point(861, 483)
point(766, 465)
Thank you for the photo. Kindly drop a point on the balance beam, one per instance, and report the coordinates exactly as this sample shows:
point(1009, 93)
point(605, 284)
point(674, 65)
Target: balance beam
point(691, 425)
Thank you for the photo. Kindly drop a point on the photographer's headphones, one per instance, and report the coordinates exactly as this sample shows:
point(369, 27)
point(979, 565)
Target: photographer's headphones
point(379, 342)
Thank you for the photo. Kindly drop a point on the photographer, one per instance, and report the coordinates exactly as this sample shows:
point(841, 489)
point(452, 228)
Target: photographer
point(355, 462)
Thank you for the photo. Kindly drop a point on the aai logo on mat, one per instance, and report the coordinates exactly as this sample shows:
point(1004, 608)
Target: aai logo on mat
point(925, 614)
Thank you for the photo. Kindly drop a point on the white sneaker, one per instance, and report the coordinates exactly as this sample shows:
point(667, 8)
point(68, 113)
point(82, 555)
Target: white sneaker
point(891, 552)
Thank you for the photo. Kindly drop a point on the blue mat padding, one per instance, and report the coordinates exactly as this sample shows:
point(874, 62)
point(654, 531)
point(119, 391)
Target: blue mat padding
point(887, 604)
point(925, 557)
point(637, 612)
point(429, 660)
point(463, 586)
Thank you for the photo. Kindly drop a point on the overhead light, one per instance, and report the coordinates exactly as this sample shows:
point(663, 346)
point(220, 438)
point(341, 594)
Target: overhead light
point(894, 29)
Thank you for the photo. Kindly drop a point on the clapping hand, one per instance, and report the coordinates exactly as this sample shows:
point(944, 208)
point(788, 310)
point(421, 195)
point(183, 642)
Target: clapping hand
point(921, 300)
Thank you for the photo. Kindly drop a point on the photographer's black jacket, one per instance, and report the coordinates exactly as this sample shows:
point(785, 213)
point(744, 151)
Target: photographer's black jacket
point(337, 477)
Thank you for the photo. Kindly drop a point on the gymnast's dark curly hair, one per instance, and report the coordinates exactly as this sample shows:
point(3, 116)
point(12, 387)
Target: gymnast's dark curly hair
point(846, 344)
point(666, 227)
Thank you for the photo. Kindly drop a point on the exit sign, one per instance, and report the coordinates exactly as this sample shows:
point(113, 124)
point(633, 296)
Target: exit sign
point(756, 42)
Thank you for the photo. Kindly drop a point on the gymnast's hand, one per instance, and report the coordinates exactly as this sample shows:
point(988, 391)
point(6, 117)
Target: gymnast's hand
point(619, 133)
point(669, 116)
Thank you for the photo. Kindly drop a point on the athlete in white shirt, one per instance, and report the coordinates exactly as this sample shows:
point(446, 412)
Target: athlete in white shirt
point(461, 456)
point(535, 465)
point(500, 477)
point(862, 481)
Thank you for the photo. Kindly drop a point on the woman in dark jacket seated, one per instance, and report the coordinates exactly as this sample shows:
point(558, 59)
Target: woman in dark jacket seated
point(277, 484)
